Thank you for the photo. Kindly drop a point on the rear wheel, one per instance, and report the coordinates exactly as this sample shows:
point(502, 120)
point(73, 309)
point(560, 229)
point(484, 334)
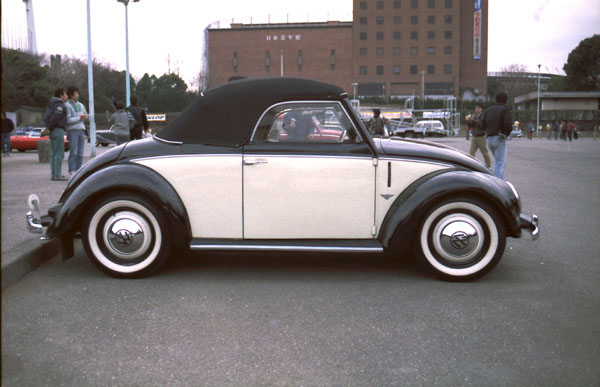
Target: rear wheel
point(461, 239)
point(126, 236)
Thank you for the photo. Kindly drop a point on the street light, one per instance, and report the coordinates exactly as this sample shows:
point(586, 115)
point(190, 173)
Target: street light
point(281, 54)
point(91, 85)
point(538, 105)
point(127, 86)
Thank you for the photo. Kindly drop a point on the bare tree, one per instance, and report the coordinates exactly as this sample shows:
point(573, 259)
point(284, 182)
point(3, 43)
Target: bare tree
point(516, 80)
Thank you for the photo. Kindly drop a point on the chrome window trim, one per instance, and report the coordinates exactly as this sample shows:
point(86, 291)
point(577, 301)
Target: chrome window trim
point(341, 105)
point(319, 156)
point(185, 155)
point(167, 141)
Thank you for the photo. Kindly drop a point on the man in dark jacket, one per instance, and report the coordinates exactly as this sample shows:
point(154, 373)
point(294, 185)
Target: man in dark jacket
point(140, 120)
point(56, 121)
point(7, 127)
point(497, 123)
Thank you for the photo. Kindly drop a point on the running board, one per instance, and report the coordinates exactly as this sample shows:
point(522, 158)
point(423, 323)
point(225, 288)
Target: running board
point(324, 245)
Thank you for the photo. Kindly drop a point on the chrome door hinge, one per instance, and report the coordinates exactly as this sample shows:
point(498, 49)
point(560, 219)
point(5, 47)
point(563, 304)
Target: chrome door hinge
point(375, 161)
point(374, 230)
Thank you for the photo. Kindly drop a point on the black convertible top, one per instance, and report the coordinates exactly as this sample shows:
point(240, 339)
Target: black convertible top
point(226, 115)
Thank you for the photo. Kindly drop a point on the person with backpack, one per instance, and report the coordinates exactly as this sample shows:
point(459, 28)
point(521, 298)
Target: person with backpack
point(56, 121)
point(76, 114)
point(140, 120)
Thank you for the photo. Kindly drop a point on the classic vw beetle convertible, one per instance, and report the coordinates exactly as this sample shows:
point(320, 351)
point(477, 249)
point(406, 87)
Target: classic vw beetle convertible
point(283, 164)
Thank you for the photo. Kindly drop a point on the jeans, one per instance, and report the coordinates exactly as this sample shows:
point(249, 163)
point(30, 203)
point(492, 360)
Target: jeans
point(76, 139)
point(5, 142)
point(57, 151)
point(497, 146)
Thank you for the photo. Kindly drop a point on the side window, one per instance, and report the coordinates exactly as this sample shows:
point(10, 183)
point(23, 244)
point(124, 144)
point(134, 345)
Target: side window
point(306, 123)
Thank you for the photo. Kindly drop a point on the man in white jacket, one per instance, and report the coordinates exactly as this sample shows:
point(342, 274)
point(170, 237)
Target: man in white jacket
point(76, 114)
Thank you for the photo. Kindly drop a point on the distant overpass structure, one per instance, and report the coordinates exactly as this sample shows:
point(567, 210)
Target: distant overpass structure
point(31, 37)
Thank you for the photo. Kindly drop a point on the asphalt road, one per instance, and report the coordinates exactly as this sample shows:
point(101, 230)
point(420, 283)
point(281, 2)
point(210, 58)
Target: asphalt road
point(314, 319)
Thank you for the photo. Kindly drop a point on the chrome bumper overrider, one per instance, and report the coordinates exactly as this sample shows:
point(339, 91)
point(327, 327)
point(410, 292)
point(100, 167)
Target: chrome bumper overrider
point(36, 224)
point(530, 223)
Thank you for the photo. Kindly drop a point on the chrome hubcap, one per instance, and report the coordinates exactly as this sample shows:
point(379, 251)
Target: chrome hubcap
point(127, 234)
point(458, 238)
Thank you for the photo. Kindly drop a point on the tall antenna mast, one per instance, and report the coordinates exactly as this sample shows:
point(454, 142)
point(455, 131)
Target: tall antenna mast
point(31, 39)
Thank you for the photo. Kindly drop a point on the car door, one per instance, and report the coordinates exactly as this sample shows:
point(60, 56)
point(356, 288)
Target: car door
point(307, 174)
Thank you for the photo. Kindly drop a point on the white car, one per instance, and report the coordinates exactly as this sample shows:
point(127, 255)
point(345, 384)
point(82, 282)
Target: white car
point(432, 127)
point(283, 164)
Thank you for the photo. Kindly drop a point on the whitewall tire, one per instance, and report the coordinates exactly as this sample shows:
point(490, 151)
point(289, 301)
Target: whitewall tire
point(126, 236)
point(461, 239)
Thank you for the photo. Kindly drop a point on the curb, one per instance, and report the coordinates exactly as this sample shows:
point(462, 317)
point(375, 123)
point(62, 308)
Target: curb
point(31, 255)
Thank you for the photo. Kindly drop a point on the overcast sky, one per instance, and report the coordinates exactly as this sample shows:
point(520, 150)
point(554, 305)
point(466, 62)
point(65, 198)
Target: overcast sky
point(169, 34)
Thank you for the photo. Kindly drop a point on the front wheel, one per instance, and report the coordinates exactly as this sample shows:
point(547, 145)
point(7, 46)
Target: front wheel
point(126, 236)
point(461, 239)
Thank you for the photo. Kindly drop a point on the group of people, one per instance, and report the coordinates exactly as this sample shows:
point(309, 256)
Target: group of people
point(65, 113)
point(490, 130)
point(566, 130)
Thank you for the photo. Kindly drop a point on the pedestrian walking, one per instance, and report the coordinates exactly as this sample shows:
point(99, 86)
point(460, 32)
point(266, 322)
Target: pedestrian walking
point(56, 121)
point(530, 130)
point(76, 114)
point(478, 140)
point(141, 121)
point(570, 130)
point(556, 129)
point(7, 127)
point(122, 122)
point(497, 121)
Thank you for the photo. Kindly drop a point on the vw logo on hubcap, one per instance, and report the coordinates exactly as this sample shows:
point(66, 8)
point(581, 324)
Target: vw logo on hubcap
point(123, 237)
point(459, 240)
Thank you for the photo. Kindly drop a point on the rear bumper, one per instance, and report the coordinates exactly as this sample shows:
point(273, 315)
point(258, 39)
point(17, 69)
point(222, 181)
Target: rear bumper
point(530, 223)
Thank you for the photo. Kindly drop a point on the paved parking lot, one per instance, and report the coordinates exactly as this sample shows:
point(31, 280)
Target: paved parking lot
point(315, 319)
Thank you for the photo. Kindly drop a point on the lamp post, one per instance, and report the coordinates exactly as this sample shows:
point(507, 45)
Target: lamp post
point(127, 86)
point(354, 85)
point(537, 126)
point(281, 54)
point(91, 86)
point(423, 89)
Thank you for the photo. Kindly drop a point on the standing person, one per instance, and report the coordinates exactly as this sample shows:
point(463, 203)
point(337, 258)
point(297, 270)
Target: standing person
point(122, 122)
point(555, 129)
point(570, 129)
point(7, 127)
point(563, 130)
point(140, 120)
point(530, 129)
point(497, 121)
point(76, 115)
point(56, 121)
point(549, 130)
point(478, 134)
point(377, 124)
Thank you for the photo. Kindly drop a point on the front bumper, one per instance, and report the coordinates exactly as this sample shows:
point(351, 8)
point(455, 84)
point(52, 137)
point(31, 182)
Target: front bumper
point(36, 223)
point(530, 223)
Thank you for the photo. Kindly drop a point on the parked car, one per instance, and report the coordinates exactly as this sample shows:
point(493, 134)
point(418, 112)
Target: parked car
point(217, 178)
point(420, 129)
point(27, 138)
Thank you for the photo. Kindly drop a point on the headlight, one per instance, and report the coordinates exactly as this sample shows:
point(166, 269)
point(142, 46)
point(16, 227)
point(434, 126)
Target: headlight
point(513, 189)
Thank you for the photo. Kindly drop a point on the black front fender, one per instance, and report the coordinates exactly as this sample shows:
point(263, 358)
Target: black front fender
point(120, 178)
point(404, 216)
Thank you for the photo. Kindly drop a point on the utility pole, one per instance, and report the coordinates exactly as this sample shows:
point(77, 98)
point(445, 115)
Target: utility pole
point(91, 85)
point(537, 126)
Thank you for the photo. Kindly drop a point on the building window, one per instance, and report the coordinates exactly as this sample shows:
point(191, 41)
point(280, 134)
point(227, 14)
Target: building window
point(413, 69)
point(414, 3)
point(379, 5)
point(363, 21)
point(300, 61)
point(414, 20)
point(430, 3)
point(396, 69)
point(332, 59)
point(430, 69)
point(448, 50)
point(430, 50)
point(396, 51)
point(447, 69)
point(379, 19)
point(379, 36)
point(448, 3)
point(397, 4)
point(363, 51)
point(363, 70)
point(448, 34)
point(379, 51)
point(396, 35)
point(379, 70)
point(414, 51)
point(448, 19)
point(363, 5)
point(363, 36)
point(431, 19)
point(235, 62)
point(414, 35)
point(396, 19)
point(430, 35)
point(267, 61)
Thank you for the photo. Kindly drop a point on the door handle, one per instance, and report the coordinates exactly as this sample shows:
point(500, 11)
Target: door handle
point(255, 161)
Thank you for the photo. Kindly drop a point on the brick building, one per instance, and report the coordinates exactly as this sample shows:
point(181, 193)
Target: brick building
point(391, 48)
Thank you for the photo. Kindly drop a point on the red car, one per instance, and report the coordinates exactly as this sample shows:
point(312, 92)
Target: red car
point(26, 139)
